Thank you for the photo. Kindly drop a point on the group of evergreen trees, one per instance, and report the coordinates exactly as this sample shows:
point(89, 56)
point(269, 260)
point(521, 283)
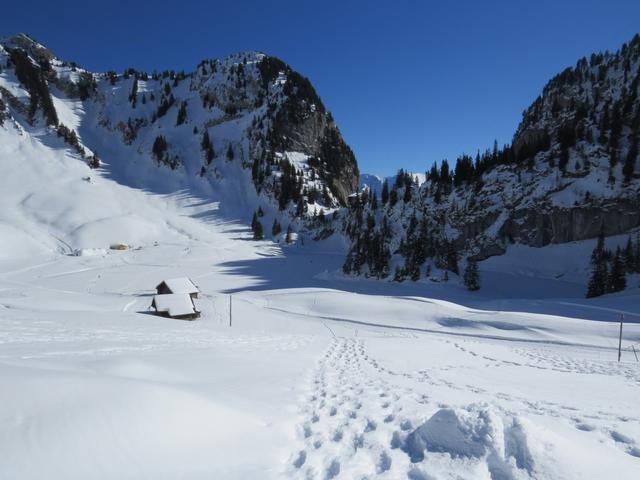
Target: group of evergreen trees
point(86, 85)
point(290, 186)
point(3, 110)
point(160, 151)
point(159, 148)
point(207, 147)
point(369, 253)
point(472, 276)
point(609, 269)
point(166, 102)
point(276, 229)
point(584, 98)
point(371, 234)
point(133, 95)
point(182, 114)
point(32, 77)
point(70, 137)
point(256, 225)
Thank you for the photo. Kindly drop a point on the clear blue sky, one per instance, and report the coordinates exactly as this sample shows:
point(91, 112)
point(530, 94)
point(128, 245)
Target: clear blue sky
point(408, 82)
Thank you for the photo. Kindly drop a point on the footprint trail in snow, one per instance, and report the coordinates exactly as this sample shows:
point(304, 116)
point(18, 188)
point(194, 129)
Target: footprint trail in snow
point(348, 418)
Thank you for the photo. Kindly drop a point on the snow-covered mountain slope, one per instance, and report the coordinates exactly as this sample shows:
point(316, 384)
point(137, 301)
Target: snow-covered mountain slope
point(246, 131)
point(52, 202)
point(570, 173)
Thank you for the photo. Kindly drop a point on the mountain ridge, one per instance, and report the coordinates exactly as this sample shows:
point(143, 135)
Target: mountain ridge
point(248, 109)
point(252, 134)
point(570, 173)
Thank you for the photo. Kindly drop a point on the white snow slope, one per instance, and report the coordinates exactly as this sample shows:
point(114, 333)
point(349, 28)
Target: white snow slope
point(318, 376)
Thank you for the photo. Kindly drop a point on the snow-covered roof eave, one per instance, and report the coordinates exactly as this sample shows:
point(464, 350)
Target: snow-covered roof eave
point(180, 285)
point(174, 304)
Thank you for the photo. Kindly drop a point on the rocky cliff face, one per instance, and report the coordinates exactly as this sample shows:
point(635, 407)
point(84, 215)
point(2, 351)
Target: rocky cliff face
point(248, 115)
point(571, 172)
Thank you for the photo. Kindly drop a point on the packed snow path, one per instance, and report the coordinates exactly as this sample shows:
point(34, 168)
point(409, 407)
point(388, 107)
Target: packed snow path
point(360, 419)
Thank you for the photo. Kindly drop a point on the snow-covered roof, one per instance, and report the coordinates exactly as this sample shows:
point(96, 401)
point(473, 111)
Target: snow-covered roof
point(175, 304)
point(180, 285)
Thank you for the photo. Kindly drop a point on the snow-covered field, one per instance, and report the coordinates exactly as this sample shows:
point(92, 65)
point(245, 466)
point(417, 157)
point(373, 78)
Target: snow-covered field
point(307, 382)
point(312, 380)
point(319, 376)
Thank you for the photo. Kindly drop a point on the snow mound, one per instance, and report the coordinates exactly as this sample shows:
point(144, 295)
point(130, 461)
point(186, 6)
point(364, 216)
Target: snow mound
point(89, 252)
point(474, 439)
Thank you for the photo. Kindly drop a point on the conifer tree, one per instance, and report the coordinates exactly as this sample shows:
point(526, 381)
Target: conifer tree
point(393, 197)
point(629, 256)
point(276, 228)
point(636, 267)
point(301, 206)
point(385, 192)
point(207, 147)
point(374, 202)
point(452, 258)
point(399, 274)
point(617, 276)
point(630, 162)
point(472, 275)
point(159, 148)
point(182, 114)
point(133, 95)
point(407, 193)
point(598, 251)
point(563, 160)
point(256, 227)
point(599, 272)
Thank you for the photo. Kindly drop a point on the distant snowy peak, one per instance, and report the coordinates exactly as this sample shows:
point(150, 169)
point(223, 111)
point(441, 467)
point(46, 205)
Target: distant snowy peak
point(372, 182)
point(376, 182)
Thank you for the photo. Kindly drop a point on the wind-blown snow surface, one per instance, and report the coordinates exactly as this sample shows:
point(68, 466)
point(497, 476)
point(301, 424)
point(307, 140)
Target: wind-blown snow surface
point(317, 377)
